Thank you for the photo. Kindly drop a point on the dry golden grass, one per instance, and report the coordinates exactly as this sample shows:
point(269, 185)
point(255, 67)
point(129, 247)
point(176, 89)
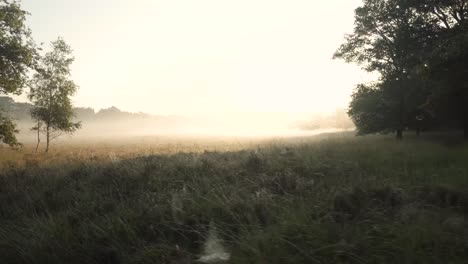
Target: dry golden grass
point(124, 148)
point(103, 150)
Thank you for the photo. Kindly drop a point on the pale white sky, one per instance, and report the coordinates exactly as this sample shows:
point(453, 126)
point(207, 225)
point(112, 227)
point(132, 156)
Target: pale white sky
point(203, 57)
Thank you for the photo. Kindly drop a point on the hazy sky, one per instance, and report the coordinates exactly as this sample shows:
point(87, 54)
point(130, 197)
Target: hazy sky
point(197, 57)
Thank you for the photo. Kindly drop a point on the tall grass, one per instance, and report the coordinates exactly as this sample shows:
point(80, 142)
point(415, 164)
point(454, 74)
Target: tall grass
point(332, 199)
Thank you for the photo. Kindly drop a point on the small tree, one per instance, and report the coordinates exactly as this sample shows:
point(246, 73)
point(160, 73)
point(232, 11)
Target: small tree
point(50, 94)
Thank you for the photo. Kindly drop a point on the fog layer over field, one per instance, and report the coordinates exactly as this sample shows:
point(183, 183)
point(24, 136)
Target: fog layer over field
point(113, 122)
point(234, 125)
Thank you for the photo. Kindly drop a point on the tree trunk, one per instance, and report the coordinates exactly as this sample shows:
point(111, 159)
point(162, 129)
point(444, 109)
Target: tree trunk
point(48, 139)
point(399, 134)
point(465, 129)
point(418, 131)
point(38, 135)
point(464, 118)
point(401, 110)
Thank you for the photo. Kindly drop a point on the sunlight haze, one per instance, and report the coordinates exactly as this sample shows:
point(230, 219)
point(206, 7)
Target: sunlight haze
point(204, 57)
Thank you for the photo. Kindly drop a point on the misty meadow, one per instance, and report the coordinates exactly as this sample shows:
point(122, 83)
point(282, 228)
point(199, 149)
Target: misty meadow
point(233, 131)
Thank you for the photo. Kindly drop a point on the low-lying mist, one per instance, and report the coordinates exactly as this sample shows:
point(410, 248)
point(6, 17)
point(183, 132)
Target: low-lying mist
point(233, 125)
point(112, 123)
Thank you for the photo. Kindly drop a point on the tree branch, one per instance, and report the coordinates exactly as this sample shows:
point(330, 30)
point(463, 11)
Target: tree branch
point(442, 16)
point(461, 10)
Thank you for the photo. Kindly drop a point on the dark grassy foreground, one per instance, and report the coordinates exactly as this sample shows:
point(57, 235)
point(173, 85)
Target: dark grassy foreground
point(339, 200)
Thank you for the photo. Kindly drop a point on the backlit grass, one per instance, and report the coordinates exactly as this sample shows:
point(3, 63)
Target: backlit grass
point(328, 199)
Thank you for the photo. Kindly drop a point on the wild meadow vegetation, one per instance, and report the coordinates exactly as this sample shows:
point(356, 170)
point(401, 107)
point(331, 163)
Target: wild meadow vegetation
point(332, 198)
point(328, 199)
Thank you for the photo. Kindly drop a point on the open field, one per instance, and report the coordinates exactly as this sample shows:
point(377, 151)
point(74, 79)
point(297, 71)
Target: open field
point(102, 150)
point(333, 198)
point(105, 148)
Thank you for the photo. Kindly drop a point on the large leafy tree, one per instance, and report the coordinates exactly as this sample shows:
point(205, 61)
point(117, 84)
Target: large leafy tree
point(419, 48)
point(17, 56)
point(448, 57)
point(388, 38)
point(50, 93)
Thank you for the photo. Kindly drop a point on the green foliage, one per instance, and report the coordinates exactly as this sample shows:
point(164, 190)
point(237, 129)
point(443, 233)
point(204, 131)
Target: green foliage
point(386, 39)
point(17, 50)
point(446, 61)
point(51, 90)
point(7, 132)
point(449, 73)
point(17, 56)
point(339, 200)
point(370, 111)
point(419, 50)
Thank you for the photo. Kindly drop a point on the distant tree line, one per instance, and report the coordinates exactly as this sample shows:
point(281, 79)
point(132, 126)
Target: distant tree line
point(420, 51)
point(21, 112)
